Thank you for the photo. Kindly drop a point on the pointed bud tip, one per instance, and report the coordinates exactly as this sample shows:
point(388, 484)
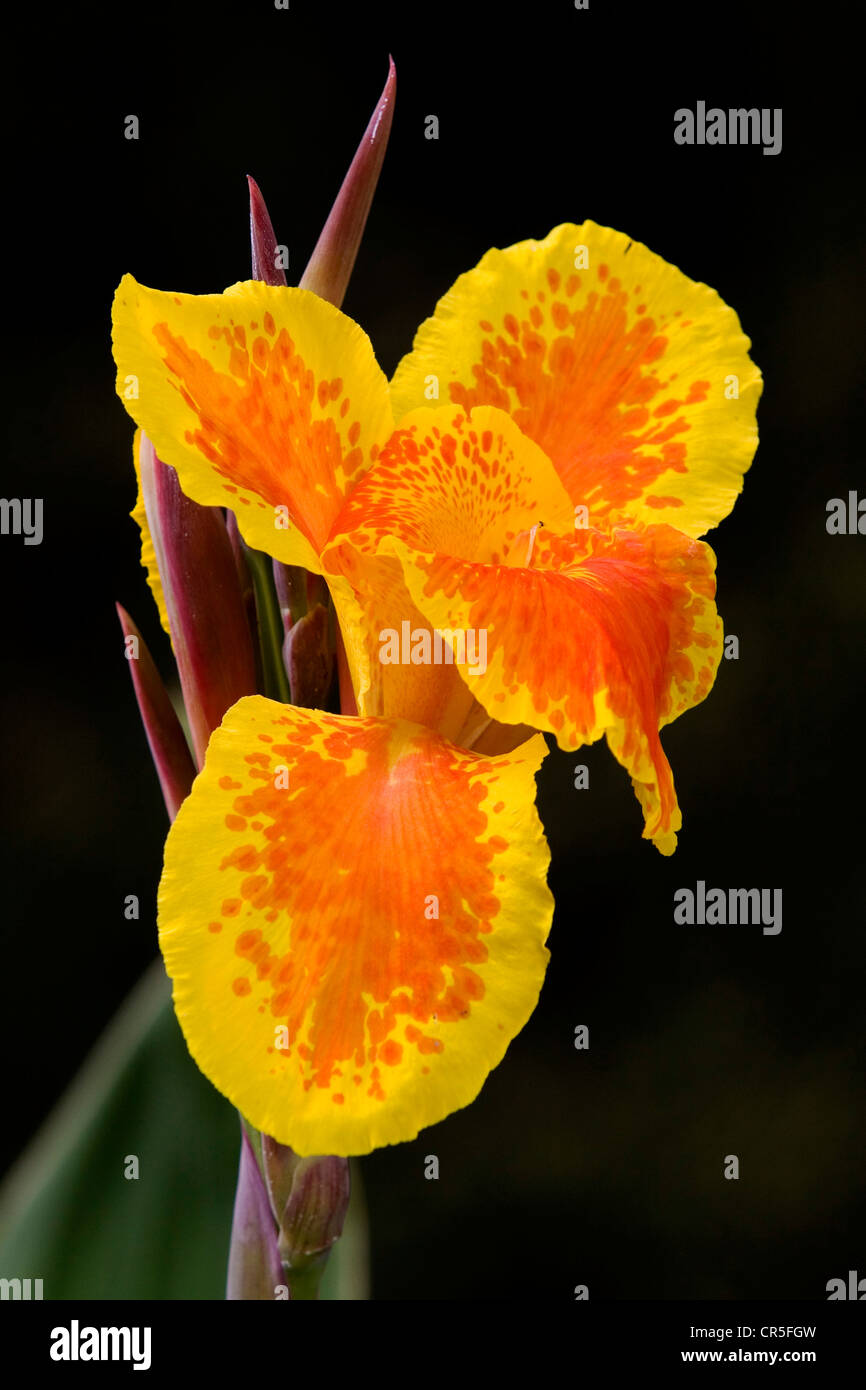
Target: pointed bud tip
point(330, 266)
point(263, 241)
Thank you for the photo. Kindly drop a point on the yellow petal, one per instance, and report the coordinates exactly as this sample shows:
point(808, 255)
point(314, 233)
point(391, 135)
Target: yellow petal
point(633, 379)
point(353, 913)
point(604, 633)
point(266, 400)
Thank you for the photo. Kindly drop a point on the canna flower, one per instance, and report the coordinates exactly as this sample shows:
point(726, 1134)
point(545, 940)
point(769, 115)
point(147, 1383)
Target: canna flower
point(354, 909)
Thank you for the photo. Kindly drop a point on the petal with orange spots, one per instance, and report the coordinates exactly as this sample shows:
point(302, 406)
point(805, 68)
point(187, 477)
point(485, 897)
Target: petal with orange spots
point(633, 379)
point(265, 399)
point(471, 487)
point(612, 633)
point(353, 913)
point(148, 549)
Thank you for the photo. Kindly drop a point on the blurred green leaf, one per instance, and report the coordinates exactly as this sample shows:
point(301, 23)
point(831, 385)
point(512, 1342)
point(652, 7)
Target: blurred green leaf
point(70, 1216)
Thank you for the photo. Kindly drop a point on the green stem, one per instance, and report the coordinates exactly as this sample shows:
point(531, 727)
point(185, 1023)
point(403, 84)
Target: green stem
point(304, 1280)
point(270, 626)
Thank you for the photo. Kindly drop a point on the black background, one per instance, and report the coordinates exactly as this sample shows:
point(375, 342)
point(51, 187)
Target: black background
point(601, 1167)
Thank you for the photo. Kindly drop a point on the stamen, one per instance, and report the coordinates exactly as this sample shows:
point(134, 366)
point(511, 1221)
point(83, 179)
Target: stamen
point(514, 558)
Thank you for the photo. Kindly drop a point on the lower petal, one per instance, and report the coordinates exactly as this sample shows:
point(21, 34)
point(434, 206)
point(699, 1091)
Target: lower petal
point(613, 633)
point(353, 913)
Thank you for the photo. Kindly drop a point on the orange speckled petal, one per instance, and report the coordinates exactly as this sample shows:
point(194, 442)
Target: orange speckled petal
point(607, 633)
point(266, 400)
point(353, 913)
point(635, 380)
point(469, 486)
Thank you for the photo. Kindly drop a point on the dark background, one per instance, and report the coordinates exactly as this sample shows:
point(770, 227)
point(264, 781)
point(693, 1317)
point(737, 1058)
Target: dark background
point(602, 1167)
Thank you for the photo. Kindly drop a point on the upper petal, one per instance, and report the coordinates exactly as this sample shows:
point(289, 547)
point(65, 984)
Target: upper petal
point(265, 399)
point(635, 380)
point(373, 891)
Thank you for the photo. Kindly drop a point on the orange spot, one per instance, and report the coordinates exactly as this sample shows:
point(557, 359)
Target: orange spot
point(215, 927)
point(391, 1053)
point(424, 1044)
point(241, 987)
